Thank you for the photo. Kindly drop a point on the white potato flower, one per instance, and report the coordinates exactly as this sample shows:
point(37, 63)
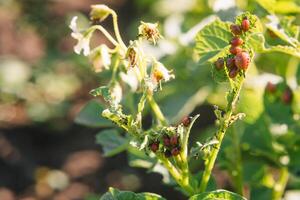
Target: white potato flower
point(130, 77)
point(99, 12)
point(83, 40)
point(116, 93)
point(160, 72)
point(101, 58)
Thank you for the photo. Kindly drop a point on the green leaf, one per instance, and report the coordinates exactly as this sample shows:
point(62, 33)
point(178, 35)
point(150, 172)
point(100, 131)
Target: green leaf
point(217, 195)
point(257, 42)
point(90, 115)
point(285, 7)
point(114, 194)
point(219, 75)
point(283, 28)
point(112, 142)
point(213, 41)
point(284, 49)
point(251, 103)
point(261, 192)
point(268, 5)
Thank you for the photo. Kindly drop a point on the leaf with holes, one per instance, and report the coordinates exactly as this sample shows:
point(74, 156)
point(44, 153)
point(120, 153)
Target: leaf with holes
point(217, 195)
point(127, 195)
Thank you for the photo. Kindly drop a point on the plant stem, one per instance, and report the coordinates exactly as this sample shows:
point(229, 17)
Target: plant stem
point(116, 29)
point(156, 109)
point(114, 71)
point(176, 175)
point(105, 33)
point(280, 185)
point(220, 135)
point(238, 177)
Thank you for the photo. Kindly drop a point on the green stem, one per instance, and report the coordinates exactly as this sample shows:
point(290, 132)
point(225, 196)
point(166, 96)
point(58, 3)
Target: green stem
point(291, 71)
point(280, 185)
point(177, 175)
point(238, 177)
point(220, 135)
point(159, 115)
point(105, 33)
point(114, 72)
point(116, 29)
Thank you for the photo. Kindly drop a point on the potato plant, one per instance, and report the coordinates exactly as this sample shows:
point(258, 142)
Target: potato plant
point(257, 120)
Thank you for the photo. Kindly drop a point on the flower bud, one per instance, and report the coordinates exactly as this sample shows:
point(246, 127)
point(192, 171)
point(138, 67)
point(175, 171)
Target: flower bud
point(149, 31)
point(160, 72)
point(132, 56)
point(116, 93)
point(99, 12)
point(83, 40)
point(101, 58)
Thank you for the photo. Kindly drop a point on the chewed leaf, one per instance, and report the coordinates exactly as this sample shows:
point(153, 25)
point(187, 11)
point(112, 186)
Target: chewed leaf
point(256, 26)
point(102, 91)
point(213, 41)
point(115, 194)
point(217, 195)
point(203, 150)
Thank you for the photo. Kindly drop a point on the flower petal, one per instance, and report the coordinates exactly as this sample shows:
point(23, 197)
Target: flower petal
point(73, 24)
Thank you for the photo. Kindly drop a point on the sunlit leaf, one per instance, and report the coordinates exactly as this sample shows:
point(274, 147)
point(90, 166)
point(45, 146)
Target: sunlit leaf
point(102, 91)
point(284, 49)
point(213, 41)
point(217, 195)
point(256, 41)
point(268, 5)
point(115, 194)
point(285, 7)
point(283, 29)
